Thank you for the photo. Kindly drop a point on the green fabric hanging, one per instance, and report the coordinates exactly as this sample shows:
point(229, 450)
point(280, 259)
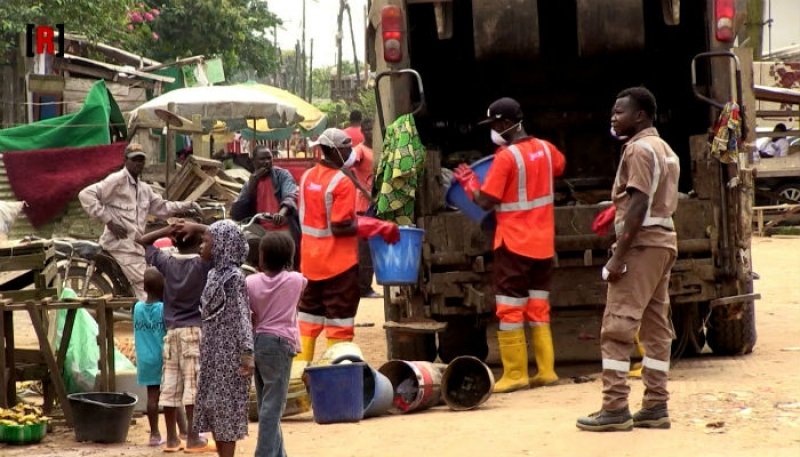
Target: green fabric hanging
point(87, 127)
point(399, 172)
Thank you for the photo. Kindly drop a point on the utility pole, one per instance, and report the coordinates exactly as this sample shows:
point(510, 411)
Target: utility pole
point(342, 5)
point(304, 50)
point(755, 26)
point(353, 39)
point(311, 73)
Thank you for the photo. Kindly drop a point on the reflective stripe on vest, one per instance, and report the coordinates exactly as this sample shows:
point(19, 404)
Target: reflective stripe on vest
point(314, 231)
point(652, 221)
point(522, 203)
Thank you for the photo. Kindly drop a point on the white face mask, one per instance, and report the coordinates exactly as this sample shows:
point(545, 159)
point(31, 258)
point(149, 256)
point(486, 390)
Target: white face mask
point(351, 159)
point(497, 137)
point(614, 134)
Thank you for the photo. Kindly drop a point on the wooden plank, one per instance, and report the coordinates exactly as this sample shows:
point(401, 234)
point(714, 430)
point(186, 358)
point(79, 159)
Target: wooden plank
point(30, 294)
point(4, 370)
point(110, 348)
point(102, 364)
point(66, 336)
point(50, 360)
point(201, 189)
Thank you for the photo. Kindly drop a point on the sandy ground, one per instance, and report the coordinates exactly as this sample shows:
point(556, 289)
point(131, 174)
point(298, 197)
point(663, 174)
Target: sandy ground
point(743, 406)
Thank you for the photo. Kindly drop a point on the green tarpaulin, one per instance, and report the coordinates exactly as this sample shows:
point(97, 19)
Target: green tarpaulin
point(88, 127)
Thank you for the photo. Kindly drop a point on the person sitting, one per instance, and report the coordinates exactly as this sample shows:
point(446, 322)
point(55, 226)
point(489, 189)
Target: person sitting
point(270, 190)
point(778, 147)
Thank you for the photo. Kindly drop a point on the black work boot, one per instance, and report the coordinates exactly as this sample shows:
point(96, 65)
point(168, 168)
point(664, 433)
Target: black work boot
point(616, 420)
point(655, 416)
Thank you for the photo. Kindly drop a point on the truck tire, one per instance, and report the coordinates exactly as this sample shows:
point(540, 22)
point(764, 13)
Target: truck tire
point(690, 337)
point(463, 337)
point(732, 336)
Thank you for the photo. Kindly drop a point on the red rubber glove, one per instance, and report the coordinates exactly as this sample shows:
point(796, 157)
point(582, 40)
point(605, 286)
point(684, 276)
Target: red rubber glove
point(468, 180)
point(604, 220)
point(369, 227)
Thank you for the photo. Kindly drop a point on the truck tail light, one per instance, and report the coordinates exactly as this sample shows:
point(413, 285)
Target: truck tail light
point(724, 13)
point(392, 25)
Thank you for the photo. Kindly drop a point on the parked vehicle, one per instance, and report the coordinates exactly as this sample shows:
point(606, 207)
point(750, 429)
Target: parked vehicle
point(565, 62)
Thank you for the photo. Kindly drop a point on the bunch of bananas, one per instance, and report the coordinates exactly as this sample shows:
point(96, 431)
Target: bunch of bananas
point(22, 414)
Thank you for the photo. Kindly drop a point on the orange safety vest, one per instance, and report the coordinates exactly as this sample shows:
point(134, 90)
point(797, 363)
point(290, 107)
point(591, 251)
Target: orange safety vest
point(326, 197)
point(523, 182)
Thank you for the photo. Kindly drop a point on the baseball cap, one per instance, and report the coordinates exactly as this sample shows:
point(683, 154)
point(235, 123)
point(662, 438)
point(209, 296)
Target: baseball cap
point(134, 150)
point(503, 108)
point(333, 138)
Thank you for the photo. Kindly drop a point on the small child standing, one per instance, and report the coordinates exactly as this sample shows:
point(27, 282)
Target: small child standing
point(184, 279)
point(148, 333)
point(274, 294)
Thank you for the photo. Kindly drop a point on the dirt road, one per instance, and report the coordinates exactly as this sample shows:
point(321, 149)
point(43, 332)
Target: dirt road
point(743, 406)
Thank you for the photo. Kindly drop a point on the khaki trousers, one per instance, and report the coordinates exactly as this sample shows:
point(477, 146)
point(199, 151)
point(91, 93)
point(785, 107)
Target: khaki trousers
point(639, 301)
point(133, 266)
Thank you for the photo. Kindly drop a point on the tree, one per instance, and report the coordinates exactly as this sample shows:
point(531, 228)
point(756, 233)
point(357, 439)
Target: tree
point(234, 30)
point(97, 19)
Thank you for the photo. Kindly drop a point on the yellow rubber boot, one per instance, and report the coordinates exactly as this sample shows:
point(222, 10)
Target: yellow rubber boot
point(542, 340)
point(514, 354)
point(636, 371)
point(307, 345)
point(332, 341)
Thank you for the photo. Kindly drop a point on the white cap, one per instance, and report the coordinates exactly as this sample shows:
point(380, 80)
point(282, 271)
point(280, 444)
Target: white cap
point(333, 138)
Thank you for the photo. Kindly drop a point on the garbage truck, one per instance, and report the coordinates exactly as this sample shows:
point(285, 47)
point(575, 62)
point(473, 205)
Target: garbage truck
point(445, 61)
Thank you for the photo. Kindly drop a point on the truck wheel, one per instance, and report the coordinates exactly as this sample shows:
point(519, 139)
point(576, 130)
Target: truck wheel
point(732, 336)
point(463, 337)
point(690, 338)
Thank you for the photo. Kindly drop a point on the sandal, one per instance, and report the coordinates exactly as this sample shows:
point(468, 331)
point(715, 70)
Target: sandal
point(210, 446)
point(156, 441)
point(181, 446)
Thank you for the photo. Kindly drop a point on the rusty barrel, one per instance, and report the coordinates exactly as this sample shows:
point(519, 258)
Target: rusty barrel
point(466, 383)
point(416, 384)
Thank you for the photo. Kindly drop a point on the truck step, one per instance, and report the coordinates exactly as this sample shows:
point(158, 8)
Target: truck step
point(426, 326)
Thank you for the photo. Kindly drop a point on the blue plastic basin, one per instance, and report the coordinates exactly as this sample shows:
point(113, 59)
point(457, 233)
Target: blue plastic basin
point(458, 198)
point(397, 264)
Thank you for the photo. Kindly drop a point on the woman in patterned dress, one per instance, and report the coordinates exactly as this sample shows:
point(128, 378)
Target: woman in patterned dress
point(226, 345)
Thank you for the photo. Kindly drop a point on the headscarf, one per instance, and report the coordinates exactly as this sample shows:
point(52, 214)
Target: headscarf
point(228, 253)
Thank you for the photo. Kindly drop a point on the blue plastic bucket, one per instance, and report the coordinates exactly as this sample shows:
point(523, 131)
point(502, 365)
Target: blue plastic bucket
point(458, 198)
point(378, 393)
point(398, 263)
point(337, 392)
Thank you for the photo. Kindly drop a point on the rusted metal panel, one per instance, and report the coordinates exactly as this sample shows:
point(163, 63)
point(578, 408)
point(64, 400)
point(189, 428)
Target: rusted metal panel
point(506, 29)
point(609, 26)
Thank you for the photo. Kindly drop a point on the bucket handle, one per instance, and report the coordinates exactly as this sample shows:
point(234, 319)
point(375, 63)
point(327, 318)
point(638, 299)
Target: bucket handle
point(99, 403)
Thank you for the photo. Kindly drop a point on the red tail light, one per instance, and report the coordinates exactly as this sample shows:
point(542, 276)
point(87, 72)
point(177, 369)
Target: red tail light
point(392, 25)
point(724, 14)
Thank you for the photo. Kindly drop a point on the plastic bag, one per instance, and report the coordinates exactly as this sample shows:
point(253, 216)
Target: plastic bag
point(83, 353)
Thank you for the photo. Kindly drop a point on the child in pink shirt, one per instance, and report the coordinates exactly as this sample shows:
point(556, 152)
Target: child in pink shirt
point(274, 293)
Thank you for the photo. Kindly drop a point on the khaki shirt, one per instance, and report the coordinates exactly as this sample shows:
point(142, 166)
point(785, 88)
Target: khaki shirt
point(126, 201)
point(637, 170)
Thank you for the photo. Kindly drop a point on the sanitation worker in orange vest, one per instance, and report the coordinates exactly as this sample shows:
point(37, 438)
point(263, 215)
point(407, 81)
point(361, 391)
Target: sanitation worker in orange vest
point(519, 186)
point(329, 245)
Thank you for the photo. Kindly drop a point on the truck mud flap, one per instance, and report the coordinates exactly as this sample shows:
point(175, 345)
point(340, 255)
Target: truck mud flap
point(506, 29)
point(609, 26)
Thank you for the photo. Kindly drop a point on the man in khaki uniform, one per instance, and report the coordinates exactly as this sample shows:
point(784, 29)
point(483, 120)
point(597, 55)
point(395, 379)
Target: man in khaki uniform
point(122, 202)
point(645, 194)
